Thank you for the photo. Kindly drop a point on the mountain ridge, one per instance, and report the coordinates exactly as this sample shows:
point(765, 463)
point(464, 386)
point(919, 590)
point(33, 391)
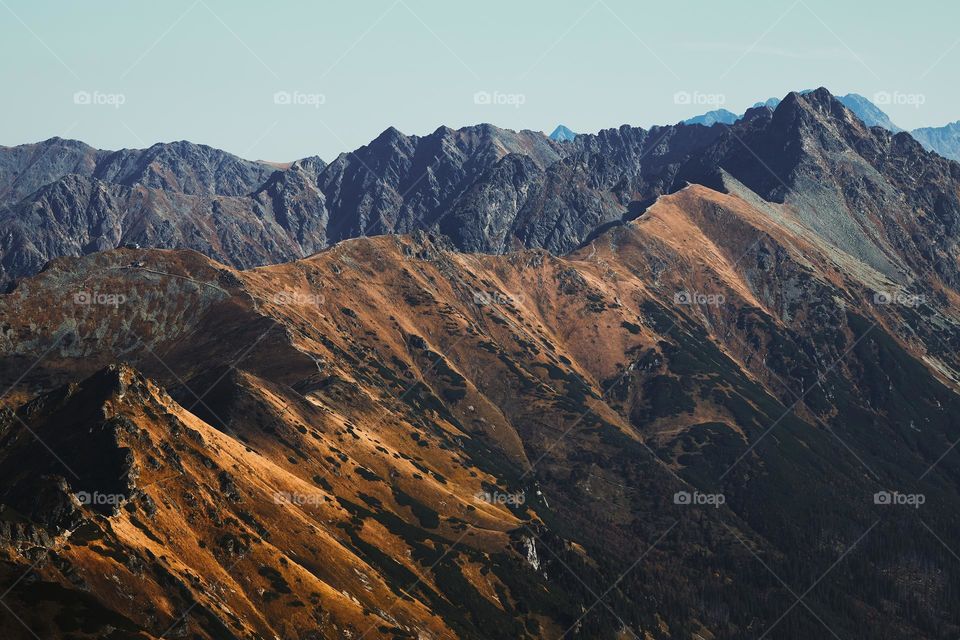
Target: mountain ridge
point(385, 385)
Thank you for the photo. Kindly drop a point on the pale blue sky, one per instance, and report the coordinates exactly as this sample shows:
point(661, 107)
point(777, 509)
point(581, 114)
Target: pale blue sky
point(208, 70)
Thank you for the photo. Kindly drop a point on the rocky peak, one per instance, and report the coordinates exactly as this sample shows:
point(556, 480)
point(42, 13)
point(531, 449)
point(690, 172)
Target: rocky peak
point(90, 425)
point(313, 164)
point(184, 167)
point(26, 168)
point(562, 134)
point(389, 137)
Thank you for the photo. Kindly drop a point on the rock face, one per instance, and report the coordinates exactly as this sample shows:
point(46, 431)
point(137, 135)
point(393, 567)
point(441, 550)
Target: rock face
point(400, 183)
point(181, 167)
point(62, 197)
point(868, 112)
point(944, 140)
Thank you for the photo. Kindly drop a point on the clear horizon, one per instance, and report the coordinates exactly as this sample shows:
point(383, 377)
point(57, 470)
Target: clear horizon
point(280, 83)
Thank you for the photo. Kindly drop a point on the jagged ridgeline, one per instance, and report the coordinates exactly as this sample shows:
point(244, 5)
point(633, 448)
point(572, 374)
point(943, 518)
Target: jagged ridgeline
point(652, 384)
point(488, 189)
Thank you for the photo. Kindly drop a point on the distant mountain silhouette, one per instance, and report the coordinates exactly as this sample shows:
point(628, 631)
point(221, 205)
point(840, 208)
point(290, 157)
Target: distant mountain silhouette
point(562, 134)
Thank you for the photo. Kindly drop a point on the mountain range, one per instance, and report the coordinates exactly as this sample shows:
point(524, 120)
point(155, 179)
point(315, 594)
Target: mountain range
point(684, 382)
point(489, 189)
point(944, 140)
